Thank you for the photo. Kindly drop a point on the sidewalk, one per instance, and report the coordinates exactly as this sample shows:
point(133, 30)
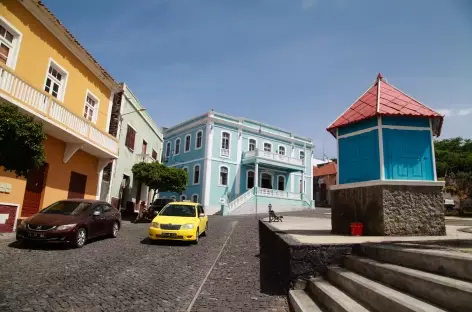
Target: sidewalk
point(7, 236)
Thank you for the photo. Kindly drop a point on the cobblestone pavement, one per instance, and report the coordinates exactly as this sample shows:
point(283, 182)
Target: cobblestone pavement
point(129, 274)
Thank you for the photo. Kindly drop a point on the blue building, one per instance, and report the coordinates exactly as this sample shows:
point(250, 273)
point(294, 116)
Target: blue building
point(240, 165)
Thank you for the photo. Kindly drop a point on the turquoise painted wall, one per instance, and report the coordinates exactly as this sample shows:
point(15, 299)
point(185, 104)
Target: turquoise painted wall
point(359, 158)
point(184, 156)
point(218, 191)
point(405, 121)
point(217, 136)
point(408, 155)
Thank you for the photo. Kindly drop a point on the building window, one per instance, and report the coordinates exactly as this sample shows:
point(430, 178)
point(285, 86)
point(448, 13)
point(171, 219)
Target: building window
point(252, 144)
point(196, 174)
point(55, 81)
point(177, 147)
point(144, 147)
point(302, 186)
point(198, 143)
point(224, 175)
point(302, 154)
point(250, 180)
point(225, 138)
point(91, 107)
point(130, 138)
point(185, 169)
point(154, 155)
point(187, 143)
point(281, 183)
point(10, 40)
point(168, 150)
point(281, 150)
point(183, 197)
point(173, 197)
point(195, 198)
point(267, 147)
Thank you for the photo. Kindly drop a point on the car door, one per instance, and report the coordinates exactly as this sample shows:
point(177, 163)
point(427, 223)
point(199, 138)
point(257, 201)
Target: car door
point(202, 222)
point(97, 222)
point(108, 213)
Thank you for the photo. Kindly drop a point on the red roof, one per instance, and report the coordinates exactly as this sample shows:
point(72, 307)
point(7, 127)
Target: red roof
point(383, 99)
point(329, 168)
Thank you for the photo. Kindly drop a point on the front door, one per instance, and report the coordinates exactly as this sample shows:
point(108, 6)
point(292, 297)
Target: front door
point(77, 185)
point(34, 190)
point(266, 181)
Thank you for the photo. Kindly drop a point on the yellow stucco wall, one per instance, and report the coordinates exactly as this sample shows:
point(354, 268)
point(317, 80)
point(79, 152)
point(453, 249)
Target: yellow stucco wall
point(37, 46)
point(17, 188)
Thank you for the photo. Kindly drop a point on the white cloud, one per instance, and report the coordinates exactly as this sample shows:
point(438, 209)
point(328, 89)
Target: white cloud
point(445, 111)
point(465, 112)
point(306, 4)
point(454, 112)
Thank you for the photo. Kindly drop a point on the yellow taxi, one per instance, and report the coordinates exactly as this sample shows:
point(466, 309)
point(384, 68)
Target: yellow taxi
point(184, 221)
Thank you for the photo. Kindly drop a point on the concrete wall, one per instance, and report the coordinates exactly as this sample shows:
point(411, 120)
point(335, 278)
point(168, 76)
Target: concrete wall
point(260, 205)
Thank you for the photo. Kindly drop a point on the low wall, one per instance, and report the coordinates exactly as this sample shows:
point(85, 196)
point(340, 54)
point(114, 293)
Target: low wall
point(285, 262)
point(260, 204)
point(407, 210)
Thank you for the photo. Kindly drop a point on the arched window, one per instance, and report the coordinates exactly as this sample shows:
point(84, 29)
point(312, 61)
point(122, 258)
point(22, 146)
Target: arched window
point(196, 174)
point(168, 150)
point(267, 147)
point(250, 180)
point(252, 144)
point(177, 147)
point(183, 197)
point(198, 142)
point(223, 175)
point(195, 198)
point(173, 197)
point(266, 180)
point(187, 143)
point(186, 170)
point(281, 150)
point(281, 183)
point(225, 138)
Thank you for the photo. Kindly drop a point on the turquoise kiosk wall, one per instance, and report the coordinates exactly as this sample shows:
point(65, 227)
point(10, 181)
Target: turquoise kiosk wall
point(387, 172)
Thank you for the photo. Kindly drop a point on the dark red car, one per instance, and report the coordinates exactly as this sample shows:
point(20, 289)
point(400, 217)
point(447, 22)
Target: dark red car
point(71, 221)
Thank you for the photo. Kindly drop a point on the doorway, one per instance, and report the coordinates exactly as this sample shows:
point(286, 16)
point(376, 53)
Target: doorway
point(34, 190)
point(77, 185)
point(266, 181)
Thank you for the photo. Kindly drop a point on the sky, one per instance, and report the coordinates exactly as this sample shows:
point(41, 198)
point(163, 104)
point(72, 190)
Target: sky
point(294, 64)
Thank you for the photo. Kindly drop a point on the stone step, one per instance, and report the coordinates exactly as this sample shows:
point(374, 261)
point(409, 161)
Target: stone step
point(300, 301)
point(430, 287)
point(446, 263)
point(375, 295)
point(331, 298)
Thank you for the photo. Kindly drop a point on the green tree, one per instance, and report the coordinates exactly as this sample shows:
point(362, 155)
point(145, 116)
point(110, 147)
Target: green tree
point(21, 141)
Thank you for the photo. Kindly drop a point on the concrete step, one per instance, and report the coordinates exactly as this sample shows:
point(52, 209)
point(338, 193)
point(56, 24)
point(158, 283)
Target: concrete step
point(301, 302)
point(446, 263)
point(375, 295)
point(433, 288)
point(331, 298)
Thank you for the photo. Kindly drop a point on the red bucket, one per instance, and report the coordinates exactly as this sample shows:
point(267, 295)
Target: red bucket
point(357, 229)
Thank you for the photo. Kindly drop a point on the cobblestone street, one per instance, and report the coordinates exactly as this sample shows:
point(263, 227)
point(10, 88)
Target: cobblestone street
point(129, 274)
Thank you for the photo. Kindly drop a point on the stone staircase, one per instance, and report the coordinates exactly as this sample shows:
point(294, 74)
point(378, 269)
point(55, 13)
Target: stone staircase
point(391, 278)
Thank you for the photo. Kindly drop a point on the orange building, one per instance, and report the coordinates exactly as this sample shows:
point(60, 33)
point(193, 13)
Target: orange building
point(46, 73)
point(324, 175)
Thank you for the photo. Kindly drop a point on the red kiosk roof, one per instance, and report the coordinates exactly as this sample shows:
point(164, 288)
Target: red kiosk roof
point(383, 99)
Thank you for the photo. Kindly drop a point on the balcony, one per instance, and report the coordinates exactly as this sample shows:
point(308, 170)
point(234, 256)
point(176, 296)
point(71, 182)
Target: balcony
point(144, 158)
point(273, 159)
point(224, 152)
point(58, 121)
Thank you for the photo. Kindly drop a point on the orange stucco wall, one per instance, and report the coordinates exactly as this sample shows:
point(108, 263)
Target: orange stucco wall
point(58, 176)
point(37, 46)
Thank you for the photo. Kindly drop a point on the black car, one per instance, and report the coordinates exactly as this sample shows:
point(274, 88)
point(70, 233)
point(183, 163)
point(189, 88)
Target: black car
point(158, 204)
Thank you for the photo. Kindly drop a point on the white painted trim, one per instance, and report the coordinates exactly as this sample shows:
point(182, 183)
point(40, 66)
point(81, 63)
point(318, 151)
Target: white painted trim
point(99, 185)
point(62, 92)
point(300, 157)
point(285, 182)
point(175, 146)
point(196, 139)
point(347, 135)
point(191, 198)
point(199, 174)
point(96, 109)
point(70, 150)
point(271, 146)
point(173, 197)
point(207, 166)
point(248, 141)
point(219, 175)
point(186, 162)
point(17, 38)
point(278, 149)
point(432, 151)
point(229, 144)
point(387, 182)
point(110, 106)
point(406, 128)
point(292, 182)
point(16, 214)
point(168, 151)
point(337, 155)
point(247, 178)
point(381, 149)
point(239, 152)
point(189, 145)
point(183, 197)
point(378, 95)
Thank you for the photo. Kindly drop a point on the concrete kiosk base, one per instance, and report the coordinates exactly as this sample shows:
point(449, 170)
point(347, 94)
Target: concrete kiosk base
point(389, 209)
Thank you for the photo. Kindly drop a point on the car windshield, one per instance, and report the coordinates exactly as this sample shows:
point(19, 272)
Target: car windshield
point(162, 201)
point(67, 208)
point(178, 211)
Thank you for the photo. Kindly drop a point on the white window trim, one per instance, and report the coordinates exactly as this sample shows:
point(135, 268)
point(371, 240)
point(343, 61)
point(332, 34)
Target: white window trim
point(248, 142)
point(299, 154)
point(183, 197)
point(199, 174)
point(229, 144)
point(65, 73)
point(17, 38)
point(95, 110)
point(219, 176)
point(285, 182)
point(175, 146)
point(271, 177)
point(198, 198)
point(168, 150)
point(285, 149)
point(185, 143)
point(271, 147)
point(152, 152)
point(196, 139)
point(247, 178)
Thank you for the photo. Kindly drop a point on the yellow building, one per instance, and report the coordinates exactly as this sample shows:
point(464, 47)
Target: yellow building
point(47, 74)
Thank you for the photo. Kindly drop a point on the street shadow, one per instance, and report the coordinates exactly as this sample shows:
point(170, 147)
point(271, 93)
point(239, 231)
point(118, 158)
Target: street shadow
point(306, 232)
point(271, 279)
point(176, 243)
point(38, 245)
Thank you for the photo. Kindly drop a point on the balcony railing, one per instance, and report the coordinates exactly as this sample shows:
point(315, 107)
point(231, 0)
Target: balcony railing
point(144, 158)
point(51, 108)
point(224, 152)
point(276, 193)
point(273, 156)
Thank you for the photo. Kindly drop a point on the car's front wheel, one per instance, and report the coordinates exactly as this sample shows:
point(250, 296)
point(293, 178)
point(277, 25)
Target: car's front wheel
point(80, 238)
point(206, 230)
point(115, 229)
point(197, 235)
